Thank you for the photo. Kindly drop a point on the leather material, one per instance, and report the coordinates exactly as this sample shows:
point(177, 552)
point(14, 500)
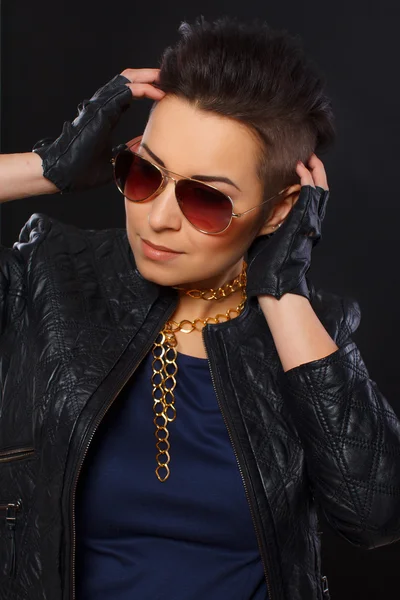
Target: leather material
point(77, 318)
point(287, 251)
point(80, 157)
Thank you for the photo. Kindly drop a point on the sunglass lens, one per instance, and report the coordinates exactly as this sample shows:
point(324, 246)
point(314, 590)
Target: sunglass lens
point(207, 209)
point(136, 177)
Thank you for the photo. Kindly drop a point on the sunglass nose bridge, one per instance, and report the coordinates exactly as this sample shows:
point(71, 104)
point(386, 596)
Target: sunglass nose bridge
point(166, 177)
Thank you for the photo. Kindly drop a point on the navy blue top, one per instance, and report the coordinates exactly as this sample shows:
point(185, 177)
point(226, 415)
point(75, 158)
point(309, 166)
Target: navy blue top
point(190, 537)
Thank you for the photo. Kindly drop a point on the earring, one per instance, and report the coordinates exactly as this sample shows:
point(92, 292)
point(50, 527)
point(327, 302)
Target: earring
point(279, 224)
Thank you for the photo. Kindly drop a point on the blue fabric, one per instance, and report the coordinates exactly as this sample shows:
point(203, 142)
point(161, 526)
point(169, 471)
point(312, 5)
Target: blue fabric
point(188, 538)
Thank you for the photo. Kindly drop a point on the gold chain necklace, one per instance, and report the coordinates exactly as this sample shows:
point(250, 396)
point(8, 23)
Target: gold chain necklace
point(222, 292)
point(165, 368)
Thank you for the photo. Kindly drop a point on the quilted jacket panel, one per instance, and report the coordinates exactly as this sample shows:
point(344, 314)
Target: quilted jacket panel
point(76, 320)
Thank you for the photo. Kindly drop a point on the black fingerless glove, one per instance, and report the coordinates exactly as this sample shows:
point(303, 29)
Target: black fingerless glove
point(79, 158)
point(278, 262)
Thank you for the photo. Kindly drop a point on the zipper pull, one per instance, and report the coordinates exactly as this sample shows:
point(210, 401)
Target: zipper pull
point(325, 587)
point(11, 518)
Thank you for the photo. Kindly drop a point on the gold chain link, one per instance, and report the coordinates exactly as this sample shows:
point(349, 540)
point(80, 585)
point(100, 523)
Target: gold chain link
point(166, 355)
point(222, 292)
point(165, 368)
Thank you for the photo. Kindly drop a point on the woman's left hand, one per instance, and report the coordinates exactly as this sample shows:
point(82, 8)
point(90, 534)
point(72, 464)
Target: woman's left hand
point(278, 262)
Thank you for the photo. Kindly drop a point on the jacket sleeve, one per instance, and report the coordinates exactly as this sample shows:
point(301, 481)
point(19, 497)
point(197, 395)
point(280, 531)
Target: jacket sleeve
point(14, 264)
point(11, 286)
point(351, 437)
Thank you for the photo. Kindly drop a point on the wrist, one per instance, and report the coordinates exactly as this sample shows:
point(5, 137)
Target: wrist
point(299, 335)
point(272, 306)
point(40, 185)
point(21, 176)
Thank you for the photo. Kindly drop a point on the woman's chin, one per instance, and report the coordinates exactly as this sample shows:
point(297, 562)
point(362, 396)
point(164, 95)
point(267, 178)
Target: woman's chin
point(156, 275)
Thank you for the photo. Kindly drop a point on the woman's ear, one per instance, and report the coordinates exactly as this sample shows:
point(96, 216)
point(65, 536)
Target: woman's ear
point(281, 210)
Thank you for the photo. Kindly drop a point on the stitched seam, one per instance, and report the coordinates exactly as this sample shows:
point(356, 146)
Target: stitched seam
point(346, 418)
point(272, 449)
point(101, 284)
point(331, 442)
point(359, 443)
point(376, 459)
point(52, 294)
point(292, 242)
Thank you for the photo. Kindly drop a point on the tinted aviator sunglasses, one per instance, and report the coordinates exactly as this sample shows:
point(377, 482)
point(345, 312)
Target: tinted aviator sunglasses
point(206, 208)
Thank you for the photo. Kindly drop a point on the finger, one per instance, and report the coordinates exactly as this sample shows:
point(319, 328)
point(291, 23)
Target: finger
point(141, 90)
point(304, 174)
point(141, 75)
point(317, 169)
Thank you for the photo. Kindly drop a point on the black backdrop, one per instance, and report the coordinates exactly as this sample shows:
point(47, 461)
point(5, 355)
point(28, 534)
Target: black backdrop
point(55, 54)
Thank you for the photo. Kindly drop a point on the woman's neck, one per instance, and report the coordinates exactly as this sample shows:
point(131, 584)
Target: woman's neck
point(197, 308)
point(193, 308)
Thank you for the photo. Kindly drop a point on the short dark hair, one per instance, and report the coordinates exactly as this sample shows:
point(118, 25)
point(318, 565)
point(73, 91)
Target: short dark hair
point(260, 77)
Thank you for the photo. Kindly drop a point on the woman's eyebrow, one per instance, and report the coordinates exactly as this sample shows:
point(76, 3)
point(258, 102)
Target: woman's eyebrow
point(199, 177)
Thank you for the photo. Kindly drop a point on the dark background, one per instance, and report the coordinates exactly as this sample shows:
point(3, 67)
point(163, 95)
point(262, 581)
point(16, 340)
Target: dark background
point(55, 54)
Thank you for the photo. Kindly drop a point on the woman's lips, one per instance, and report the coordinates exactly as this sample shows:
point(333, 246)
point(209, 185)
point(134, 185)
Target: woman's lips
point(158, 252)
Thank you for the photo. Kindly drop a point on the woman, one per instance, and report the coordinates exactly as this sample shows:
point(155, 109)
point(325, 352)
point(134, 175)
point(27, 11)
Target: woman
point(178, 398)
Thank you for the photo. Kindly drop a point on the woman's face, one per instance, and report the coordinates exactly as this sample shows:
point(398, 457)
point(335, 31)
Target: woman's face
point(192, 142)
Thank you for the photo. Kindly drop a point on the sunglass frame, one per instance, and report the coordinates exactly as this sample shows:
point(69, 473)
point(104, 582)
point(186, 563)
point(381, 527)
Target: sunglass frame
point(164, 179)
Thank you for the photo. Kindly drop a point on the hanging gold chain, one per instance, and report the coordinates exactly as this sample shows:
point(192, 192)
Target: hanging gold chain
point(163, 383)
point(165, 368)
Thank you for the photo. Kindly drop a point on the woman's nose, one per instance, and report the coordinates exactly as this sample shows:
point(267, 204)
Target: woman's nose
point(164, 211)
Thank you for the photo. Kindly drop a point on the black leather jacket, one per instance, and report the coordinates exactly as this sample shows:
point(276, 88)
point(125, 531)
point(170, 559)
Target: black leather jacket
point(76, 320)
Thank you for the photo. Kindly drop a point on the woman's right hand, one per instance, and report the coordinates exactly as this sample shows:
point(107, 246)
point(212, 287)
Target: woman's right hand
point(80, 157)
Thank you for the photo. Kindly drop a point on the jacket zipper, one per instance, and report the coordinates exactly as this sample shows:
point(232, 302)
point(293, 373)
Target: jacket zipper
point(242, 476)
point(97, 423)
point(11, 510)
point(14, 454)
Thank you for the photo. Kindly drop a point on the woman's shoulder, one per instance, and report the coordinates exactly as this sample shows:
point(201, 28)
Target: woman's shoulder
point(45, 240)
point(39, 225)
point(69, 239)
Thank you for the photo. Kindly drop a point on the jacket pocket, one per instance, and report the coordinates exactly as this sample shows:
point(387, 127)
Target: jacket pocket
point(10, 513)
point(322, 579)
point(10, 454)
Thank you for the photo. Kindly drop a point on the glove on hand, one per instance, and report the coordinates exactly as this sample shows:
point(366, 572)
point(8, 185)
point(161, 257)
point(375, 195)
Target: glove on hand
point(80, 157)
point(278, 262)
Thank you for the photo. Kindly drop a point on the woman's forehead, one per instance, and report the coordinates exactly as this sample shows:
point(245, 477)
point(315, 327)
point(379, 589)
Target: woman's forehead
point(180, 133)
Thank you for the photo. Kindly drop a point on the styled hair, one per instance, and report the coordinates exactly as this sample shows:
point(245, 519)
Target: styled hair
point(257, 76)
